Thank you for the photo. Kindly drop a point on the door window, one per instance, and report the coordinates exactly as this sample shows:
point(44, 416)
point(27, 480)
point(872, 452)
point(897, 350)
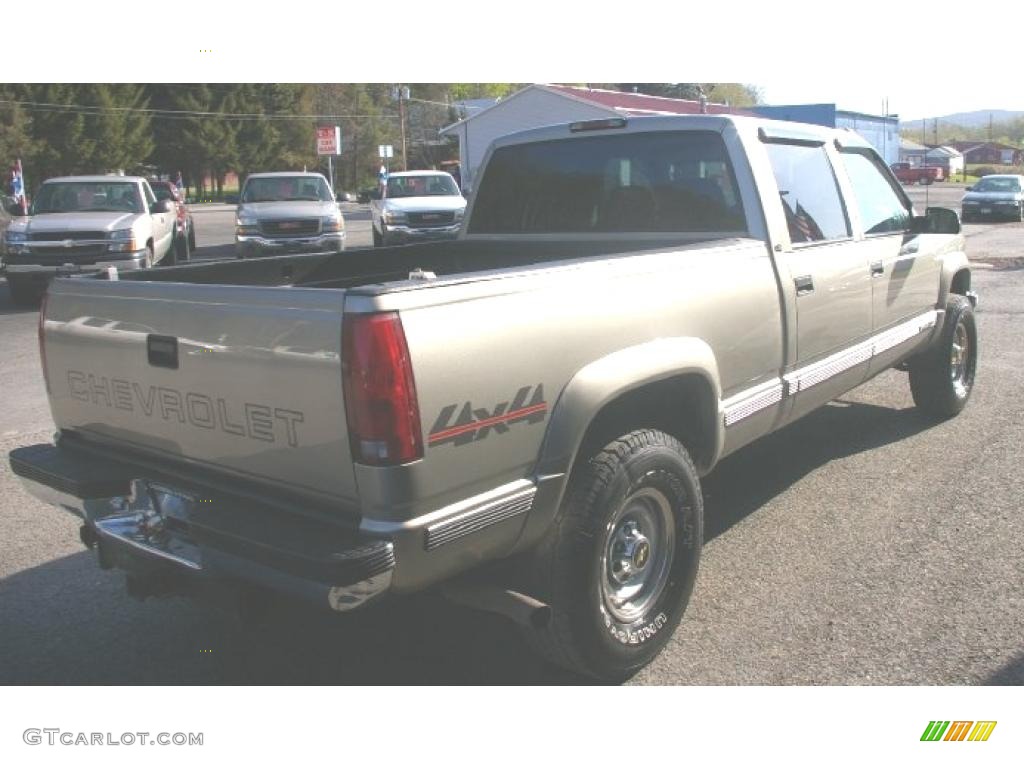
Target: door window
point(810, 194)
point(882, 210)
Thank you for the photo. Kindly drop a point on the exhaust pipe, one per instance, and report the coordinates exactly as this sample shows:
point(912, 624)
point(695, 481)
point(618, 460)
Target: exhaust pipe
point(522, 609)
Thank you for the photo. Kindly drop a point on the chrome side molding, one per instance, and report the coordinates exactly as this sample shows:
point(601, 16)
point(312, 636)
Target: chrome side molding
point(479, 517)
point(750, 401)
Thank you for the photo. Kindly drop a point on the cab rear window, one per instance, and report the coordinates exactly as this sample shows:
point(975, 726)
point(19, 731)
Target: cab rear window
point(678, 181)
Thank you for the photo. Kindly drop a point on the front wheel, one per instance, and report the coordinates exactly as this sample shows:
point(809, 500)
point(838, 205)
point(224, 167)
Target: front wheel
point(941, 379)
point(621, 561)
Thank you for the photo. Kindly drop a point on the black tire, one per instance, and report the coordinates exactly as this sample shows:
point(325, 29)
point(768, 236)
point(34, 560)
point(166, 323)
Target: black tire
point(191, 238)
point(25, 293)
point(378, 241)
point(942, 378)
point(148, 262)
point(575, 569)
point(182, 251)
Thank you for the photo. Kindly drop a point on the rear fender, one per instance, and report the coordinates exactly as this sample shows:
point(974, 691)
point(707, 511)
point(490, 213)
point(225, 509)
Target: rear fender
point(595, 386)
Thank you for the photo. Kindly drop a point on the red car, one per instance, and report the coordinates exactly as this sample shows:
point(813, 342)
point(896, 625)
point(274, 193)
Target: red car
point(185, 233)
point(922, 174)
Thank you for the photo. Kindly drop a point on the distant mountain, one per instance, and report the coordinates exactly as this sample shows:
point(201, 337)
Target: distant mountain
point(977, 119)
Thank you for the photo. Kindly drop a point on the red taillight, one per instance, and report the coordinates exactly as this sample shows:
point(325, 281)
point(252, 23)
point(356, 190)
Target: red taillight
point(380, 392)
point(42, 339)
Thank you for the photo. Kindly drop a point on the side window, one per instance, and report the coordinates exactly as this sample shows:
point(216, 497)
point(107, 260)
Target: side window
point(881, 208)
point(147, 192)
point(810, 194)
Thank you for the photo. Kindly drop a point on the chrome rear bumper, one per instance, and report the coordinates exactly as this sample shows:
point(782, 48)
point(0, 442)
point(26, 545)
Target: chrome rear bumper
point(148, 528)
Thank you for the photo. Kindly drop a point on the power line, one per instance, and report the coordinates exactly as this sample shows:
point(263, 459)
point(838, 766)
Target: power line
point(180, 114)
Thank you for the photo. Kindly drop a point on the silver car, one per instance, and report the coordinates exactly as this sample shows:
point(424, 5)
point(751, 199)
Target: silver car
point(287, 213)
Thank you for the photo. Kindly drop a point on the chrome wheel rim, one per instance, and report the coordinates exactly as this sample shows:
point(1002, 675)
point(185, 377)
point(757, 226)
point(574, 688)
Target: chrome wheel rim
point(637, 555)
point(959, 369)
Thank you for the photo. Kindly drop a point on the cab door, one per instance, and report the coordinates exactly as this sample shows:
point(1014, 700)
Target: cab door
point(829, 277)
point(904, 269)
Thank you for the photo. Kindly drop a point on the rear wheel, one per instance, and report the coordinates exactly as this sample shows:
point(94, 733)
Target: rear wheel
point(621, 561)
point(191, 238)
point(942, 378)
point(182, 250)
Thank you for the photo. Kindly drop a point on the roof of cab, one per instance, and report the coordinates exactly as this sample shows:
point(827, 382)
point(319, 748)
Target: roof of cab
point(272, 174)
point(97, 178)
point(773, 128)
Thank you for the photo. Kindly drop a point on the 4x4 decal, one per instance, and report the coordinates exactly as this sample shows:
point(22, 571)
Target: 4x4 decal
point(475, 424)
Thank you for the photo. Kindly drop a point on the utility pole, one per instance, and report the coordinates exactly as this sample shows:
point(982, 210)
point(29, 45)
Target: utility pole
point(400, 93)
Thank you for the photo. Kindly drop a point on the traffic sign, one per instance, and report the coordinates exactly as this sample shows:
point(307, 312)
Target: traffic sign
point(328, 140)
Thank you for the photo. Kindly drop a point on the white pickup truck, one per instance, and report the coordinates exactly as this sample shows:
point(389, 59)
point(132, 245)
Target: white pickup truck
point(81, 223)
point(416, 206)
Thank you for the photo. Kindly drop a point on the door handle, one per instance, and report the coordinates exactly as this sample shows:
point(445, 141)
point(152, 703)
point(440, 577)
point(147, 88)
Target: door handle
point(877, 269)
point(804, 285)
point(909, 249)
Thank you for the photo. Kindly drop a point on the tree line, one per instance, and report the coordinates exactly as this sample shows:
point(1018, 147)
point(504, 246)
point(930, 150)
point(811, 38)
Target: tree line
point(1009, 132)
point(207, 131)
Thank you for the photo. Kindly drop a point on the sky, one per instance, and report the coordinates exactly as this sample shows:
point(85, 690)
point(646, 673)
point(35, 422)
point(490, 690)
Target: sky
point(798, 51)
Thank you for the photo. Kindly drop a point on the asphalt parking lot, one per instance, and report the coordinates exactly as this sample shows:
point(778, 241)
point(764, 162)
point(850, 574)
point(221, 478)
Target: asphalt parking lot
point(862, 545)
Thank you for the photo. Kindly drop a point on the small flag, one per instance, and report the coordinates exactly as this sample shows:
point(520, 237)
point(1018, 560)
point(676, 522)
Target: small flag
point(18, 187)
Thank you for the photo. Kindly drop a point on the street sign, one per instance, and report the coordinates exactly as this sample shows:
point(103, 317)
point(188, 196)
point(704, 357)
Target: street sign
point(385, 150)
point(328, 140)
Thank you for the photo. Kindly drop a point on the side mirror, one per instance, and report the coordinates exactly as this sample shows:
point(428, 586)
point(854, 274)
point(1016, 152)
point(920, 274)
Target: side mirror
point(969, 189)
point(162, 206)
point(231, 199)
point(936, 221)
point(14, 209)
point(376, 195)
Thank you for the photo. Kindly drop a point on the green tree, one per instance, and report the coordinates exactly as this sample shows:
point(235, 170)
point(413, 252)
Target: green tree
point(120, 131)
point(16, 139)
point(62, 142)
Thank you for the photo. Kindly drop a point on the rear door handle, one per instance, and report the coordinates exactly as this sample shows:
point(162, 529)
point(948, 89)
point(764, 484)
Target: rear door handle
point(804, 285)
point(877, 268)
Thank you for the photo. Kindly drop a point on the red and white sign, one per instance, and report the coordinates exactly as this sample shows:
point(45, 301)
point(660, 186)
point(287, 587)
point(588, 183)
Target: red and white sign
point(328, 140)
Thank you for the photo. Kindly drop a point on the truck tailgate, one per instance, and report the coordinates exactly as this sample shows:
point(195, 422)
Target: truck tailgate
point(246, 381)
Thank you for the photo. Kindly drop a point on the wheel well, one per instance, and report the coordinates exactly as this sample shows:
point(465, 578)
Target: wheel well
point(961, 282)
point(682, 406)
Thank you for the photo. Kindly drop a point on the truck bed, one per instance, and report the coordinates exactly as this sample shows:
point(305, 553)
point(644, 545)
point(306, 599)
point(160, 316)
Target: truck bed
point(371, 266)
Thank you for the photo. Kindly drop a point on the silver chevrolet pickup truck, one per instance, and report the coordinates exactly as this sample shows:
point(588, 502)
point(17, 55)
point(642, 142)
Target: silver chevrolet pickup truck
point(520, 417)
